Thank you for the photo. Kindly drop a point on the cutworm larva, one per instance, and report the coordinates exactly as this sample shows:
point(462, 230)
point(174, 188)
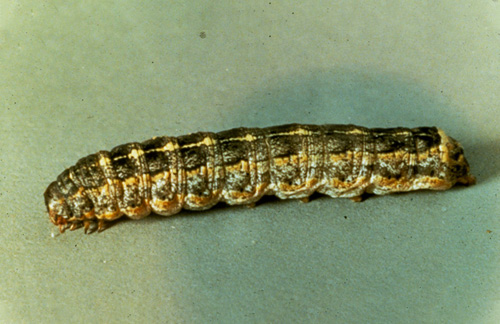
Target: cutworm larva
point(238, 166)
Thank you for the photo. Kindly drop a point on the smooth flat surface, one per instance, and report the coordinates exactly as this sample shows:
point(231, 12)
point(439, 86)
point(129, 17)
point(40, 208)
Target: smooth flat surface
point(78, 78)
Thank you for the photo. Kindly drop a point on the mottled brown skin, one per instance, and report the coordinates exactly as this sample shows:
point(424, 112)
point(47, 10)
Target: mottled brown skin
point(238, 166)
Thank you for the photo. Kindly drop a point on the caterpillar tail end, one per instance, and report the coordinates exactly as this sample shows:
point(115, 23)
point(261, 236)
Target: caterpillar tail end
point(454, 159)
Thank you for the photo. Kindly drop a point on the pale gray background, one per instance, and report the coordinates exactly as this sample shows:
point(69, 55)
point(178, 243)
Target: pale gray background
point(78, 77)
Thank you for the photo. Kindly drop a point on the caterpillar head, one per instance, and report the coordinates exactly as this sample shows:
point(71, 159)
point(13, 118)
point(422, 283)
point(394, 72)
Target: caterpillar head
point(61, 214)
point(59, 211)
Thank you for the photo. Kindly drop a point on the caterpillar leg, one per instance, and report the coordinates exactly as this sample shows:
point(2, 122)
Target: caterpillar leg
point(75, 226)
point(101, 225)
point(89, 226)
point(63, 227)
point(251, 205)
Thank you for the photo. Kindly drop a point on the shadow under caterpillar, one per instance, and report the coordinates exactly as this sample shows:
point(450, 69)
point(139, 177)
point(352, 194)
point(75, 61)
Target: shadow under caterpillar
point(238, 166)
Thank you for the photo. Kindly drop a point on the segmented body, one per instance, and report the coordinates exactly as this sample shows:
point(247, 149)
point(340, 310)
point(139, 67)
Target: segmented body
point(166, 174)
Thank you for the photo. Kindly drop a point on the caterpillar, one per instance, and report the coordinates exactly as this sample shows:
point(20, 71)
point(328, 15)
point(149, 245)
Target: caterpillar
point(238, 166)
